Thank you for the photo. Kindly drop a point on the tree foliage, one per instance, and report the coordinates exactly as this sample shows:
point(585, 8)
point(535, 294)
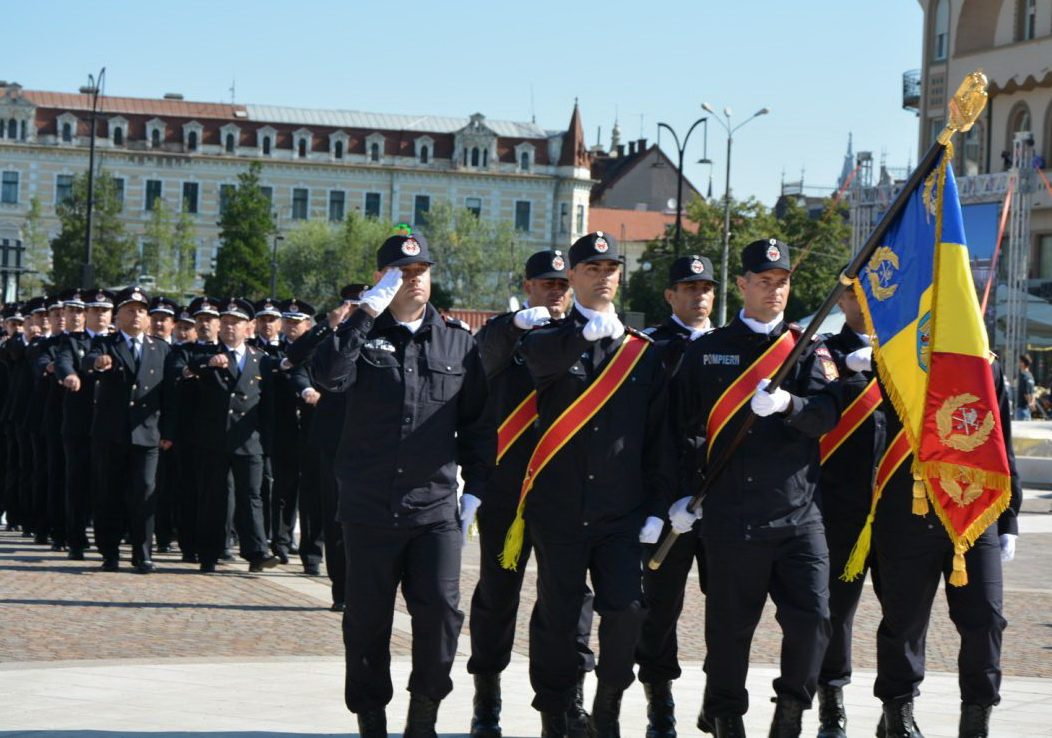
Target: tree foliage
point(168, 250)
point(36, 259)
point(245, 227)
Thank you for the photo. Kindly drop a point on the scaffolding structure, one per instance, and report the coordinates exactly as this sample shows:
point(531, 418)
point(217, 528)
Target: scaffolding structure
point(1016, 263)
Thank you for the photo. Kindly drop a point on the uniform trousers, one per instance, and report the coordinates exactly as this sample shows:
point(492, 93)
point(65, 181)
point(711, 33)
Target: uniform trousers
point(913, 553)
point(266, 494)
point(213, 507)
point(187, 495)
point(25, 479)
point(41, 524)
point(56, 488)
point(794, 570)
point(313, 510)
point(495, 603)
point(663, 590)
point(12, 504)
point(425, 561)
point(79, 483)
point(167, 487)
point(285, 464)
point(613, 561)
point(126, 499)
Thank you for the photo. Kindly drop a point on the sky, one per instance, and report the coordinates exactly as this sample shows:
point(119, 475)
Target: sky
point(824, 68)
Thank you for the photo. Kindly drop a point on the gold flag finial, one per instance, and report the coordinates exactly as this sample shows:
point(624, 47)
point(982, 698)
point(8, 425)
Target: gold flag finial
point(967, 103)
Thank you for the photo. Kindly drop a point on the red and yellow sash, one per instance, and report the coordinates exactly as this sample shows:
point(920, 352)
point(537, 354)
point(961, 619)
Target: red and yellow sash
point(742, 389)
point(851, 419)
point(516, 423)
point(894, 456)
point(565, 427)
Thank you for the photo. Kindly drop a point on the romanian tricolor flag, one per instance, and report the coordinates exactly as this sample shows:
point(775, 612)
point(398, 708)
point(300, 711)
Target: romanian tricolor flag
point(933, 357)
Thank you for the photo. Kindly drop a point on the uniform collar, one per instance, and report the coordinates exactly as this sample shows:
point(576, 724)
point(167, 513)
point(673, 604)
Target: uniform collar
point(589, 313)
point(691, 333)
point(757, 327)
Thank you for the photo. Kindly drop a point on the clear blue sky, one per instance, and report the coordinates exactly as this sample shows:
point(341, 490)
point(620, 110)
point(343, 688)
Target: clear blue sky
point(824, 67)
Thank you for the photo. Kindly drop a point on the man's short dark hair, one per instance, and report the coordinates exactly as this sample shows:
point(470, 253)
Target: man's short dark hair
point(1025, 358)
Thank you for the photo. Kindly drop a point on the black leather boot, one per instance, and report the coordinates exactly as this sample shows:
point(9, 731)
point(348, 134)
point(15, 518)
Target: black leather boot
point(705, 723)
point(832, 718)
point(975, 721)
point(788, 713)
point(553, 725)
point(578, 723)
point(897, 721)
point(485, 722)
point(606, 712)
point(420, 720)
point(729, 727)
point(661, 710)
point(372, 724)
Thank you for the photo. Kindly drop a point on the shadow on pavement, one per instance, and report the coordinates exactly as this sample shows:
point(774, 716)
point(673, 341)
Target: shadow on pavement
point(161, 605)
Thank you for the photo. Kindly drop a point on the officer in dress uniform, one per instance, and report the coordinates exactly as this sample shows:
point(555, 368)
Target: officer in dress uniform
point(185, 328)
point(51, 428)
point(38, 359)
point(850, 454)
point(600, 493)
point(162, 313)
point(233, 427)
point(690, 293)
point(495, 603)
point(83, 325)
point(12, 355)
point(416, 409)
point(762, 528)
point(131, 423)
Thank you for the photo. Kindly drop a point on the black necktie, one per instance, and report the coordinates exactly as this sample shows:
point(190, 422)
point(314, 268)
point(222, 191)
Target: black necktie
point(234, 371)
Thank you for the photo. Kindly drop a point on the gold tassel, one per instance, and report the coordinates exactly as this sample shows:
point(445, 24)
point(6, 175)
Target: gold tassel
point(959, 577)
point(920, 498)
point(509, 557)
point(856, 562)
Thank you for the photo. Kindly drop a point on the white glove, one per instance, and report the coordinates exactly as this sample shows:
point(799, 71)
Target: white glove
point(1008, 546)
point(603, 325)
point(531, 317)
point(680, 517)
point(764, 403)
point(378, 297)
point(469, 505)
point(651, 530)
point(860, 360)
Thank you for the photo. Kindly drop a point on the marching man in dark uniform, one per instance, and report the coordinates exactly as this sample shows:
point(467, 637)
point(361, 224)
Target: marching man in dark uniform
point(132, 421)
point(232, 420)
point(762, 528)
point(162, 322)
point(599, 479)
point(55, 471)
point(12, 354)
point(690, 294)
point(37, 357)
point(495, 604)
point(416, 409)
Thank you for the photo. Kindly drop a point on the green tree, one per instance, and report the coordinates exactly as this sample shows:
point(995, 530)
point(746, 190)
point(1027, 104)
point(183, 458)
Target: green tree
point(114, 254)
point(37, 254)
point(168, 250)
point(245, 228)
point(478, 262)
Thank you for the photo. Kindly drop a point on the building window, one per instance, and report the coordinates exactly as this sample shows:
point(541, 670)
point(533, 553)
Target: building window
point(485, 158)
point(67, 132)
point(63, 188)
point(337, 200)
point(425, 154)
point(118, 186)
point(155, 138)
point(580, 218)
point(268, 192)
point(1019, 121)
point(372, 204)
point(522, 215)
point(118, 136)
point(153, 192)
point(337, 150)
point(465, 157)
point(12, 129)
point(9, 191)
point(301, 148)
point(299, 203)
point(1044, 257)
point(22, 131)
point(225, 193)
point(474, 204)
point(475, 156)
point(564, 217)
point(191, 141)
point(971, 152)
point(229, 143)
point(190, 197)
point(1026, 20)
point(266, 146)
point(935, 126)
point(374, 152)
point(421, 206)
point(941, 38)
point(524, 161)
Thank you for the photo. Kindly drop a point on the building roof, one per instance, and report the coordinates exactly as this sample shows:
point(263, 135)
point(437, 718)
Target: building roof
point(632, 226)
point(133, 105)
point(608, 169)
point(574, 152)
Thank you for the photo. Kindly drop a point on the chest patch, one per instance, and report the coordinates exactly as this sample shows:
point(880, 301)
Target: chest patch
point(721, 360)
point(380, 344)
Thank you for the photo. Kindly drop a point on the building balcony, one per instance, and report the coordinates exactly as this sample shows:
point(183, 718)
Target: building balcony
point(911, 90)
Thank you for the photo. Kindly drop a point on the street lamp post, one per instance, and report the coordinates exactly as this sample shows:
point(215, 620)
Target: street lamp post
point(681, 150)
point(274, 266)
point(727, 199)
point(94, 88)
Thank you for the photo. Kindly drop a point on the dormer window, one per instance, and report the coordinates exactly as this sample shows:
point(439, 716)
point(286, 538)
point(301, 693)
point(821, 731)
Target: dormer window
point(230, 138)
point(229, 143)
point(374, 147)
point(265, 138)
point(118, 136)
point(475, 145)
point(155, 132)
point(425, 147)
point(67, 127)
point(67, 133)
point(524, 154)
point(118, 130)
point(475, 156)
point(266, 146)
point(192, 135)
point(338, 145)
point(303, 138)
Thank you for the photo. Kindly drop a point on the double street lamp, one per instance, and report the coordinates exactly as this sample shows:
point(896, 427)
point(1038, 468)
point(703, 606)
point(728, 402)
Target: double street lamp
point(726, 123)
point(681, 149)
point(94, 88)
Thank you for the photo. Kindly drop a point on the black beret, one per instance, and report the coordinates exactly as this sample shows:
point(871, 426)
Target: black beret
point(767, 253)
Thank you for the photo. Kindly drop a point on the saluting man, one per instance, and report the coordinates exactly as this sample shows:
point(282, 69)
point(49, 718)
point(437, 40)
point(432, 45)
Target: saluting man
point(762, 528)
point(416, 409)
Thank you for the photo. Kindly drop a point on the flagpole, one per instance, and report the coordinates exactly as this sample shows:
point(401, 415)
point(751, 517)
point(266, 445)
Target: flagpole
point(965, 108)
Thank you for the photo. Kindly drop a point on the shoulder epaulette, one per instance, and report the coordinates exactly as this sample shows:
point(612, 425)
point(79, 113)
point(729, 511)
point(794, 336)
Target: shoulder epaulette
point(638, 334)
point(456, 323)
point(650, 331)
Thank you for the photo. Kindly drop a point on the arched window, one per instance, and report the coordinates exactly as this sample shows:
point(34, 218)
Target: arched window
point(940, 47)
point(191, 141)
point(485, 157)
point(1026, 20)
point(118, 136)
point(424, 154)
point(524, 161)
point(1019, 120)
point(337, 150)
point(23, 130)
point(475, 156)
point(266, 146)
point(374, 152)
point(67, 132)
point(301, 150)
point(230, 143)
point(465, 157)
point(12, 128)
point(970, 157)
point(155, 137)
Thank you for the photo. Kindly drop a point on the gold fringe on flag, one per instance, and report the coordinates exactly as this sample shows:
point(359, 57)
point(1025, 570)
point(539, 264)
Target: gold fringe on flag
point(959, 577)
point(512, 551)
point(920, 497)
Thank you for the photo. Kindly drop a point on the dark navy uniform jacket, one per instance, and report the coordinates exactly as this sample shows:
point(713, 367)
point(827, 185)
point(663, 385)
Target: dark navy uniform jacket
point(619, 468)
point(326, 417)
point(415, 410)
point(768, 489)
point(77, 407)
point(233, 413)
